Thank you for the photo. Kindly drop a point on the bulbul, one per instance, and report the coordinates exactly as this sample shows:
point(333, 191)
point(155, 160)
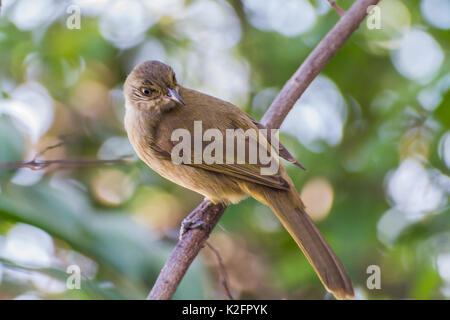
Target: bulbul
point(156, 105)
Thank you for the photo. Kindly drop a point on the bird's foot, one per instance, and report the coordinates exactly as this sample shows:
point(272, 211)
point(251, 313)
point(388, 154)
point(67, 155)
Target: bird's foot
point(188, 224)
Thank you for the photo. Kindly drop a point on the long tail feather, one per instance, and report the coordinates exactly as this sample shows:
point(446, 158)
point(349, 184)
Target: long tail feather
point(289, 209)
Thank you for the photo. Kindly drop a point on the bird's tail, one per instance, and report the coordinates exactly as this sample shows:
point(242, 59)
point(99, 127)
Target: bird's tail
point(289, 209)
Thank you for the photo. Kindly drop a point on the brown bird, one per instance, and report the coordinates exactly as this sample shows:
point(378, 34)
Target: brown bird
point(156, 106)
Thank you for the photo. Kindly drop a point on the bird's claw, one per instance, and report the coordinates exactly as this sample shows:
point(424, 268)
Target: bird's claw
point(188, 224)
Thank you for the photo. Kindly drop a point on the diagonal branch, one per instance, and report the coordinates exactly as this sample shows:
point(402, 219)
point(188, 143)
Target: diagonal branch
point(315, 62)
point(193, 240)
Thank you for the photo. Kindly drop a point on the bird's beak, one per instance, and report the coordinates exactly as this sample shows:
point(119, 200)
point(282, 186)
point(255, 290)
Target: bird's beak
point(174, 96)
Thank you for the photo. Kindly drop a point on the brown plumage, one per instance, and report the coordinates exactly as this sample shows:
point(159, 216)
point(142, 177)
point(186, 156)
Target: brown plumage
point(156, 105)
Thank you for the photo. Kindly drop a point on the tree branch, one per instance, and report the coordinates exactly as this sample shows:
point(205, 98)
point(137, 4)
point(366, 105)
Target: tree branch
point(186, 250)
point(315, 62)
point(36, 164)
point(193, 240)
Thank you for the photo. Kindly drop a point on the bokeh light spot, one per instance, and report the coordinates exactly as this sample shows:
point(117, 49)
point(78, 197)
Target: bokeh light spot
point(318, 116)
point(444, 148)
point(419, 56)
point(112, 187)
point(317, 195)
point(290, 18)
point(436, 13)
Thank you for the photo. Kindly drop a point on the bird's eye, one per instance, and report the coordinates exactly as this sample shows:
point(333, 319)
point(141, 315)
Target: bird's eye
point(146, 91)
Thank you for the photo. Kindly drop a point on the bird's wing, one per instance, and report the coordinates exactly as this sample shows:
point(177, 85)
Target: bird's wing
point(221, 118)
point(246, 171)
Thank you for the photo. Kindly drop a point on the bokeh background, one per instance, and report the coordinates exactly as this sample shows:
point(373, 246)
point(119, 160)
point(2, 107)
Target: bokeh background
point(373, 130)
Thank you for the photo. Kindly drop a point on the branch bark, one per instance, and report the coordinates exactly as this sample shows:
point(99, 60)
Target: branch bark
point(193, 240)
point(186, 250)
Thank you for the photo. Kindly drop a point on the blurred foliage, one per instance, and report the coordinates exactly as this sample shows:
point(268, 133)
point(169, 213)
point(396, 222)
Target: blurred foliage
point(386, 176)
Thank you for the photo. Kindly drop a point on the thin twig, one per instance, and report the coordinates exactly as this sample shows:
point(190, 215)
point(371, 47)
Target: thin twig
point(336, 8)
point(36, 164)
point(223, 270)
point(54, 146)
point(194, 239)
point(60, 163)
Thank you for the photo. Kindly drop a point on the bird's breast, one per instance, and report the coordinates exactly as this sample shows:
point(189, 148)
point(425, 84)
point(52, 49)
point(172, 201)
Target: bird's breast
point(138, 132)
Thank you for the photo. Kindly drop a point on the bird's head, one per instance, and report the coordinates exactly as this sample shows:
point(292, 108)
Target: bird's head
point(150, 84)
